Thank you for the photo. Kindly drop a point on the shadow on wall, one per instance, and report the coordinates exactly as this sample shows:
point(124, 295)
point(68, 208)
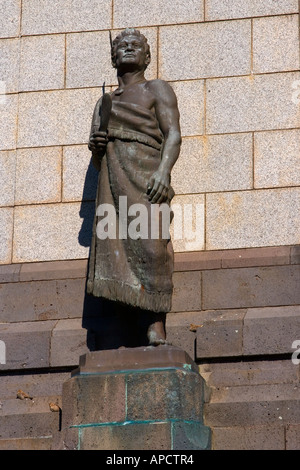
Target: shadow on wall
point(87, 208)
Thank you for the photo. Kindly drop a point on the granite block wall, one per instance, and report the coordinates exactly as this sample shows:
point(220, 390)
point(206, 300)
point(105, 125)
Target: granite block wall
point(235, 69)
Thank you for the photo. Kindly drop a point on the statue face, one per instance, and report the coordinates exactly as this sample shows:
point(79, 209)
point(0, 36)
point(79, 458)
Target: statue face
point(131, 53)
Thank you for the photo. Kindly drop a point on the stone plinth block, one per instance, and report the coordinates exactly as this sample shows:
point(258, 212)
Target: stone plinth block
point(203, 50)
point(274, 39)
point(224, 9)
point(70, 15)
point(9, 18)
point(156, 13)
point(134, 399)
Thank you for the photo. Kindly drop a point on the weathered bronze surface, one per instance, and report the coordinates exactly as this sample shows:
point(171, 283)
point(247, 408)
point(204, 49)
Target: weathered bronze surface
point(135, 141)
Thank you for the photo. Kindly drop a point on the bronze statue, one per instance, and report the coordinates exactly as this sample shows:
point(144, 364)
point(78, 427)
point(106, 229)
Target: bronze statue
point(135, 141)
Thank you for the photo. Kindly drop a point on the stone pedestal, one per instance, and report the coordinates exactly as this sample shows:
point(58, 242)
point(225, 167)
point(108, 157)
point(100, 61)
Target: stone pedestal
point(135, 399)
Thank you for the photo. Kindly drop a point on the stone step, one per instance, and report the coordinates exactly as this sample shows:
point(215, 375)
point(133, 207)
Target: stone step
point(42, 344)
point(253, 413)
point(259, 437)
point(247, 332)
point(27, 443)
point(35, 385)
point(237, 373)
point(253, 404)
point(29, 418)
point(255, 393)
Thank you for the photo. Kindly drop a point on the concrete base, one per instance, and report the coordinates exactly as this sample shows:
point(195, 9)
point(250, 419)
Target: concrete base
point(134, 399)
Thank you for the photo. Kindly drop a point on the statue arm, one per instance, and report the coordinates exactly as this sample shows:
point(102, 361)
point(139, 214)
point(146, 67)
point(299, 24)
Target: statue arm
point(97, 140)
point(167, 114)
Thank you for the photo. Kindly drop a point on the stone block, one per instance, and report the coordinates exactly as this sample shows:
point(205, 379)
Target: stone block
point(180, 331)
point(248, 394)
point(27, 344)
point(36, 385)
point(50, 239)
point(214, 163)
point(102, 399)
point(9, 64)
point(7, 177)
point(148, 436)
point(276, 159)
point(190, 97)
point(71, 15)
point(252, 218)
point(233, 374)
point(42, 62)
point(174, 394)
point(295, 255)
point(205, 50)
point(42, 300)
point(8, 122)
point(250, 287)
point(28, 418)
point(70, 269)
point(70, 289)
point(250, 257)
point(38, 175)
point(249, 438)
point(6, 233)
point(293, 437)
point(79, 176)
point(27, 443)
point(198, 261)
point(130, 13)
point(88, 60)
point(260, 102)
point(44, 123)
point(186, 291)
point(275, 44)
point(223, 9)
point(10, 273)
point(190, 436)
point(253, 413)
point(27, 301)
point(220, 334)
point(187, 227)
point(10, 13)
point(271, 330)
point(68, 342)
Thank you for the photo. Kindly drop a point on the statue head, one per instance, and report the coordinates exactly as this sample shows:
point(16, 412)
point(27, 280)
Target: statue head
point(129, 32)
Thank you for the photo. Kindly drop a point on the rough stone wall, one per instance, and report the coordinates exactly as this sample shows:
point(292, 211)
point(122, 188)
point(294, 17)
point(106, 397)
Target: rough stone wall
point(234, 66)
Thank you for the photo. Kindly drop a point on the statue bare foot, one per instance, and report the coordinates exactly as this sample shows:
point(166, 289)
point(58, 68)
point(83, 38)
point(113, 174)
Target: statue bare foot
point(156, 332)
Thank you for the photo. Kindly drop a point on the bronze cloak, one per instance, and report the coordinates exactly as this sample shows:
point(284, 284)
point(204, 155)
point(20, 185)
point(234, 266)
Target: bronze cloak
point(137, 272)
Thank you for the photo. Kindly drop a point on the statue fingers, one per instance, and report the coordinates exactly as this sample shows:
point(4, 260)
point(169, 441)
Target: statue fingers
point(163, 197)
point(158, 194)
point(153, 191)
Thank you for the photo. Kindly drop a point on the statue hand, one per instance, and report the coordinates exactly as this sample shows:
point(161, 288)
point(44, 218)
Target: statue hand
point(98, 142)
point(158, 186)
